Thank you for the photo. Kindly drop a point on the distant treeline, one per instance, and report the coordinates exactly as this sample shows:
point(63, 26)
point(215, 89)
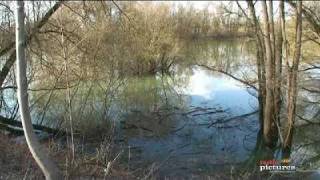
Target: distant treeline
point(119, 38)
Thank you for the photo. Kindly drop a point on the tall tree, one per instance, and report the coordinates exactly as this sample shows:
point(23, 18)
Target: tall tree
point(292, 73)
point(269, 42)
point(279, 53)
point(47, 166)
point(269, 127)
point(260, 60)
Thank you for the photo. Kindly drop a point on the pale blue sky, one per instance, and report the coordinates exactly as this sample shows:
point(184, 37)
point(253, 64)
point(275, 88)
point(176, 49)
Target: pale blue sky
point(204, 4)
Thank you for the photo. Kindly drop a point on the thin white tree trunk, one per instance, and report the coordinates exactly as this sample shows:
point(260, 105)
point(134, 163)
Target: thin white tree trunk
point(47, 166)
point(68, 93)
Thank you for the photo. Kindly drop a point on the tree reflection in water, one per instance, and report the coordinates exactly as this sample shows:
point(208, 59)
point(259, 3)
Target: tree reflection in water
point(191, 121)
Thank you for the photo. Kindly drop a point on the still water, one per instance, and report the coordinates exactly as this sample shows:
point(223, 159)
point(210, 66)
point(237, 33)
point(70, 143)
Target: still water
point(190, 121)
point(196, 128)
point(193, 121)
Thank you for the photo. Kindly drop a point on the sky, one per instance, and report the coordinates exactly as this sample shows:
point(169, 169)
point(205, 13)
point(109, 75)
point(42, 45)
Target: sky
point(203, 4)
point(197, 4)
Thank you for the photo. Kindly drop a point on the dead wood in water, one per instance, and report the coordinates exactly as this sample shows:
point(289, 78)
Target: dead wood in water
point(220, 121)
point(207, 113)
point(197, 111)
point(13, 126)
point(249, 84)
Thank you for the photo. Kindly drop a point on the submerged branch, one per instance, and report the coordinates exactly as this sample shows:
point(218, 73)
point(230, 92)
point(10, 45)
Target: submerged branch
point(308, 121)
point(220, 121)
point(311, 90)
point(230, 75)
point(14, 125)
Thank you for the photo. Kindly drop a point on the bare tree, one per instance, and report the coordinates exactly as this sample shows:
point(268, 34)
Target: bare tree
point(269, 126)
point(274, 48)
point(47, 166)
point(259, 58)
point(10, 48)
point(292, 71)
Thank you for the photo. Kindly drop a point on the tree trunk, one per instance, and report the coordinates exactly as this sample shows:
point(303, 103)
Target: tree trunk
point(278, 70)
point(271, 26)
point(47, 166)
point(292, 80)
point(269, 128)
point(10, 49)
point(260, 61)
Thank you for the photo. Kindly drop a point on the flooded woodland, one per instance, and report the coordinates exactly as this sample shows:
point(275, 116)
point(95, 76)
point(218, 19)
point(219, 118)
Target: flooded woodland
point(159, 90)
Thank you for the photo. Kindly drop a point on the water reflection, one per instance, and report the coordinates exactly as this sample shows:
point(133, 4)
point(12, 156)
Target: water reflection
point(190, 124)
point(186, 122)
point(215, 89)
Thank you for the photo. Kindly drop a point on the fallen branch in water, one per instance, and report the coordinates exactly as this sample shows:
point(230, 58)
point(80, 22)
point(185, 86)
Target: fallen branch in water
point(314, 90)
point(14, 126)
point(207, 113)
point(308, 121)
point(230, 75)
point(220, 121)
point(197, 111)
